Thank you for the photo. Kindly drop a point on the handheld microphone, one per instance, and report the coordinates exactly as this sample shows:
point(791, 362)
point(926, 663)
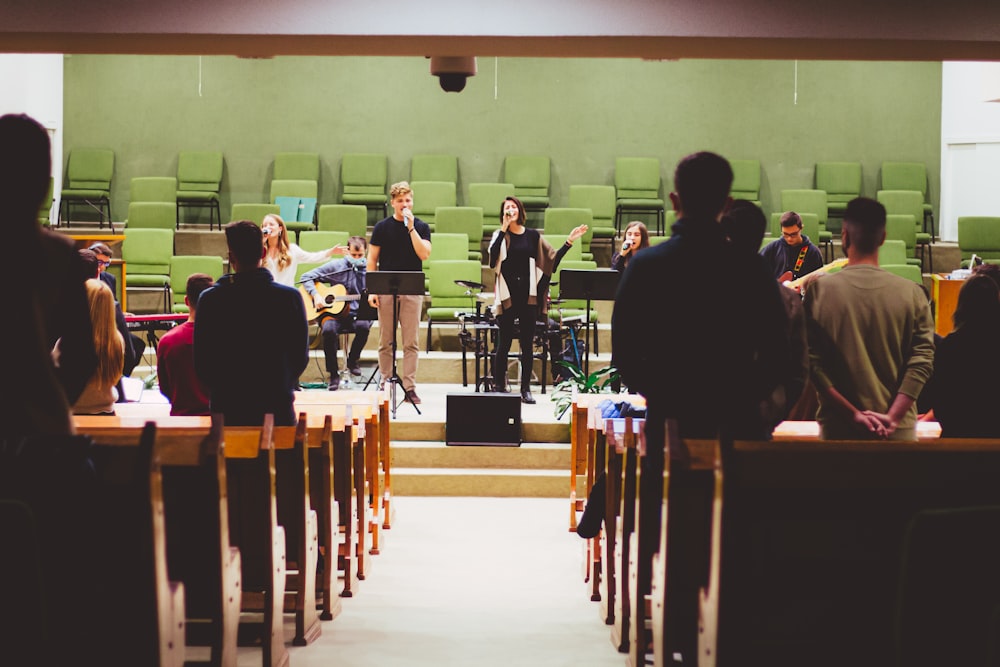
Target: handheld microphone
point(626, 245)
point(407, 213)
point(265, 232)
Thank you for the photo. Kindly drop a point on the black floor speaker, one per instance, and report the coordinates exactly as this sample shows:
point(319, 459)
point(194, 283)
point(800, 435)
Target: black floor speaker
point(483, 419)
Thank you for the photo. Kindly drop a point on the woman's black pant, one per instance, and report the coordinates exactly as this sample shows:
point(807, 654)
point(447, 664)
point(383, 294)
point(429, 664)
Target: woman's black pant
point(525, 314)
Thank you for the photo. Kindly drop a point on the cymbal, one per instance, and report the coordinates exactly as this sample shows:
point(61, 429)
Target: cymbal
point(471, 284)
point(485, 296)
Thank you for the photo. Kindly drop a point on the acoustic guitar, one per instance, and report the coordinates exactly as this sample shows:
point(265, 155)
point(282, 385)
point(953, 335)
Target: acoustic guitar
point(335, 297)
point(799, 282)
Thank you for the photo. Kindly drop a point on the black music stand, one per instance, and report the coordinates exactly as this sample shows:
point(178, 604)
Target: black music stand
point(592, 285)
point(395, 283)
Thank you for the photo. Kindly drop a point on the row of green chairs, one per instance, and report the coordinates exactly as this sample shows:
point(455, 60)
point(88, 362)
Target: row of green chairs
point(152, 266)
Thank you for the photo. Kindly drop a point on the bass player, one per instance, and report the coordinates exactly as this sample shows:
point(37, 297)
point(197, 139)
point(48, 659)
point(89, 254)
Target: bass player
point(340, 310)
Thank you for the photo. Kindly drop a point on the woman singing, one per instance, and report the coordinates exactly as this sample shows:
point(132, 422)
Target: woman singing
point(283, 258)
point(523, 261)
point(636, 238)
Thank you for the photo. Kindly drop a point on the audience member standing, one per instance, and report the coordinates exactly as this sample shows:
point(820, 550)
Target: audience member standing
point(963, 402)
point(50, 302)
point(793, 255)
point(871, 338)
point(250, 371)
point(399, 243)
point(175, 357)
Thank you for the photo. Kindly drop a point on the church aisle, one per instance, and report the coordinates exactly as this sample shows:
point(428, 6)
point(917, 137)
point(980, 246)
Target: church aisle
point(468, 581)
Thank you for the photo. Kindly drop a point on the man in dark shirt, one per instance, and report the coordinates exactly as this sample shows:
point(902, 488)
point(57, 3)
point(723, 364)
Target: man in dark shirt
point(250, 371)
point(793, 255)
point(399, 243)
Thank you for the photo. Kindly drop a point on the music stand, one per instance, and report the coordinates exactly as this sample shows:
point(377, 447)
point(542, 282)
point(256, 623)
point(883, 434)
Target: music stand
point(395, 283)
point(592, 285)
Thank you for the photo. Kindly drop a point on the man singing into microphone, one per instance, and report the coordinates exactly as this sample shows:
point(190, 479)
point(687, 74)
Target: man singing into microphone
point(399, 243)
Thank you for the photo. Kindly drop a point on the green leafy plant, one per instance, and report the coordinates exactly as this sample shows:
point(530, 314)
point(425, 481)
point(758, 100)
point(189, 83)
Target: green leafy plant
point(598, 382)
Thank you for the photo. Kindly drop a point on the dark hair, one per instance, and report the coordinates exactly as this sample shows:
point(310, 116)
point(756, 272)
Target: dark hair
point(745, 225)
point(246, 243)
point(357, 242)
point(865, 219)
point(978, 302)
point(88, 263)
point(702, 181)
point(989, 270)
point(643, 233)
point(26, 166)
point(521, 216)
point(101, 249)
point(791, 219)
point(196, 284)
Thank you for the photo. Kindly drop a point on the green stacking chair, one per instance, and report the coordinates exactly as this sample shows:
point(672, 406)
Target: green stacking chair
point(199, 180)
point(600, 199)
point(490, 198)
point(908, 271)
point(447, 298)
point(531, 177)
point(842, 182)
point(296, 167)
point(147, 254)
point(910, 202)
point(88, 182)
point(561, 221)
point(902, 227)
point(466, 220)
point(434, 168)
point(181, 268)
point(350, 218)
point(45, 210)
point(979, 235)
point(446, 246)
point(811, 201)
point(364, 178)
point(254, 212)
point(810, 226)
point(428, 196)
point(151, 215)
point(575, 252)
point(910, 176)
point(746, 180)
point(153, 188)
point(892, 251)
point(314, 240)
point(637, 187)
point(296, 200)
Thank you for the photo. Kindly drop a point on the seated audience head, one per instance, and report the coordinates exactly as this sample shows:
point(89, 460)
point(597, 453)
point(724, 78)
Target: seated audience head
point(791, 228)
point(744, 224)
point(108, 342)
point(978, 302)
point(637, 233)
point(992, 271)
point(246, 245)
point(196, 284)
point(701, 185)
point(864, 226)
point(103, 252)
point(26, 167)
point(90, 266)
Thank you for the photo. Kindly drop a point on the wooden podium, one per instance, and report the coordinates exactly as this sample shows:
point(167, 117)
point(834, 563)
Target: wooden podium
point(945, 299)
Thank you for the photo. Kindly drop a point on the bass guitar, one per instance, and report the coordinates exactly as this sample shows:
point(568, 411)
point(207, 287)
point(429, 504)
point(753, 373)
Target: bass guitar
point(335, 297)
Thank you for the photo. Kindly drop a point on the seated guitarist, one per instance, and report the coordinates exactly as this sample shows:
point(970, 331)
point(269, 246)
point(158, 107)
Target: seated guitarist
point(338, 315)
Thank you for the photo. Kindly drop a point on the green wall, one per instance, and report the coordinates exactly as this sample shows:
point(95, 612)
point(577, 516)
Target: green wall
point(581, 112)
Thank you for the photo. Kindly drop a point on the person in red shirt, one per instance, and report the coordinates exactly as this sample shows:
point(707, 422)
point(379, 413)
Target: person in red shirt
point(175, 358)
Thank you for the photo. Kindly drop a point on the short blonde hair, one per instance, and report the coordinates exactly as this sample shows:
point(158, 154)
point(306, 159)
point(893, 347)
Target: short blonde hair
point(399, 189)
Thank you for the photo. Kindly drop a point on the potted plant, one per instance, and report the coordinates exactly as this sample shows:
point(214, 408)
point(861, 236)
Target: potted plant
point(600, 381)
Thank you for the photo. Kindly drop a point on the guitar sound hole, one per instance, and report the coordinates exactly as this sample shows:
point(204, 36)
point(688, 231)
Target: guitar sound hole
point(328, 299)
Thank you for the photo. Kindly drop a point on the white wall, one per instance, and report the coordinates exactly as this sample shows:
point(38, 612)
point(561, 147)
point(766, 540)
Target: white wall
point(970, 143)
point(33, 84)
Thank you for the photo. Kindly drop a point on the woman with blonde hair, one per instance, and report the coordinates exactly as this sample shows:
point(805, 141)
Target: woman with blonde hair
point(282, 257)
point(99, 395)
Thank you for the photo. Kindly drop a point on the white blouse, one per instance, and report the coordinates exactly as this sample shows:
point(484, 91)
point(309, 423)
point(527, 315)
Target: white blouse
point(286, 276)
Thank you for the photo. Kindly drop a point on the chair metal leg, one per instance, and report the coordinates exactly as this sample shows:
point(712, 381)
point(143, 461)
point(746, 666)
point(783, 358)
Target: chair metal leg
point(429, 320)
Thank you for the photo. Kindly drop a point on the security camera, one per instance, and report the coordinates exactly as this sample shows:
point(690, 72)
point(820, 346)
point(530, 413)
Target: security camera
point(453, 72)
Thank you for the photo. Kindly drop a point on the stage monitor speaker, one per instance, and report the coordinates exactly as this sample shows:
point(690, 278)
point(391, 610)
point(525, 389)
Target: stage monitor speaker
point(483, 419)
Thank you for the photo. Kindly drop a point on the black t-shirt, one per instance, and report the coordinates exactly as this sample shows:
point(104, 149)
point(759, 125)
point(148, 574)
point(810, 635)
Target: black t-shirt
point(396, 251)
point(516, 268)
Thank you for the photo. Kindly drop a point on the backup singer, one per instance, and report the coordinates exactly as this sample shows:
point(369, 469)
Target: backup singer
point(523, 262)
point(283, 258)
point(636, 238)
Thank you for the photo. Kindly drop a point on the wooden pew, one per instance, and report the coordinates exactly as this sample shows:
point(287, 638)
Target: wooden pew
point(189, 458)
point(805, 564)
point(254, 529)
point(620, 513)
point(323, 502)
point(299, 520)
